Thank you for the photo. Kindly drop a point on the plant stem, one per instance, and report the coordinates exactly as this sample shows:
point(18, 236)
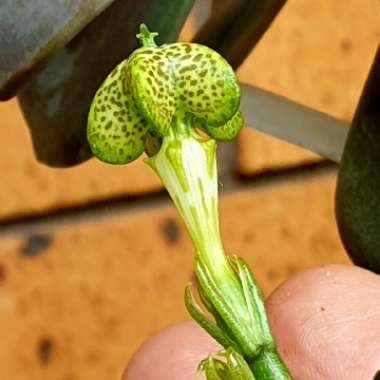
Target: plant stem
point(269, 366)
point(186, 165)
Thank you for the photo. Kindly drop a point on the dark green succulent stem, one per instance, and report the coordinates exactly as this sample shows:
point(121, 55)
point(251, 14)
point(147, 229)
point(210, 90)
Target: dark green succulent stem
point(357, 198)
point(146, 37)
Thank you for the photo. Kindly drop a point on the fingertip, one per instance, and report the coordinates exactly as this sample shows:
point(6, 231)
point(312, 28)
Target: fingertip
point(327, 323)
point(173, 353)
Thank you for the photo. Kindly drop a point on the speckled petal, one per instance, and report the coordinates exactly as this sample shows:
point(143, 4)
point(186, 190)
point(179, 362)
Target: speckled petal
point(183, 77)
point(205, 82)
point(153, 87)
point(227, 131)
point(116, 129)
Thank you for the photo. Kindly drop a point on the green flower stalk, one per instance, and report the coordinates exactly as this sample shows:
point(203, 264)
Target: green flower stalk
point(157, 101)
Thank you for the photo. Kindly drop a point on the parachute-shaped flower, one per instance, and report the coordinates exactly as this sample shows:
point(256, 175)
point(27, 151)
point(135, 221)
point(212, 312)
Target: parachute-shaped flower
point(155, 85)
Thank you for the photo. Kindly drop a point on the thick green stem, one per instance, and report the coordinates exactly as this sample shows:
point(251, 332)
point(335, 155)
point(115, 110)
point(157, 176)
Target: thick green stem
point(186, 165)
point(269, 366)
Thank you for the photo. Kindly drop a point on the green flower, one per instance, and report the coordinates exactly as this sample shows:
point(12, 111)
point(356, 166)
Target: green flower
point(139, 101)
point(156, 100)
point(226, 365)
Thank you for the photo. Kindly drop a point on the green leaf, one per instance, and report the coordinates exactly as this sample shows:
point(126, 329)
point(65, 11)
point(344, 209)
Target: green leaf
point(218, 318)
point(215, 331)
point(255, 304)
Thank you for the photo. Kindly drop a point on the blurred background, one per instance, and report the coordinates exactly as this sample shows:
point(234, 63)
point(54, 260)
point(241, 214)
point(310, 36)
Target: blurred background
point(94, 259)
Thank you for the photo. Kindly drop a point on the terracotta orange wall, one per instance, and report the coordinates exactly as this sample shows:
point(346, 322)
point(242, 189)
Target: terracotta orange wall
point(79, 293)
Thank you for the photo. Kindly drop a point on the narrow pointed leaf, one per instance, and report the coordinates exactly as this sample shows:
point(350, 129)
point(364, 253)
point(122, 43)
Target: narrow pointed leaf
point(215, 331)
point(255, 304)
point(236, 322)
point(218, 318)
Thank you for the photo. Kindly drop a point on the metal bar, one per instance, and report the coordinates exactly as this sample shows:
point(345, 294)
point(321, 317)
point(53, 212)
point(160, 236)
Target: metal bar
point(282, 118)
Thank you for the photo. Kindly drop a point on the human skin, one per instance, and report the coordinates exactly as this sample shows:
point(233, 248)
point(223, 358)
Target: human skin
point(326, 322)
